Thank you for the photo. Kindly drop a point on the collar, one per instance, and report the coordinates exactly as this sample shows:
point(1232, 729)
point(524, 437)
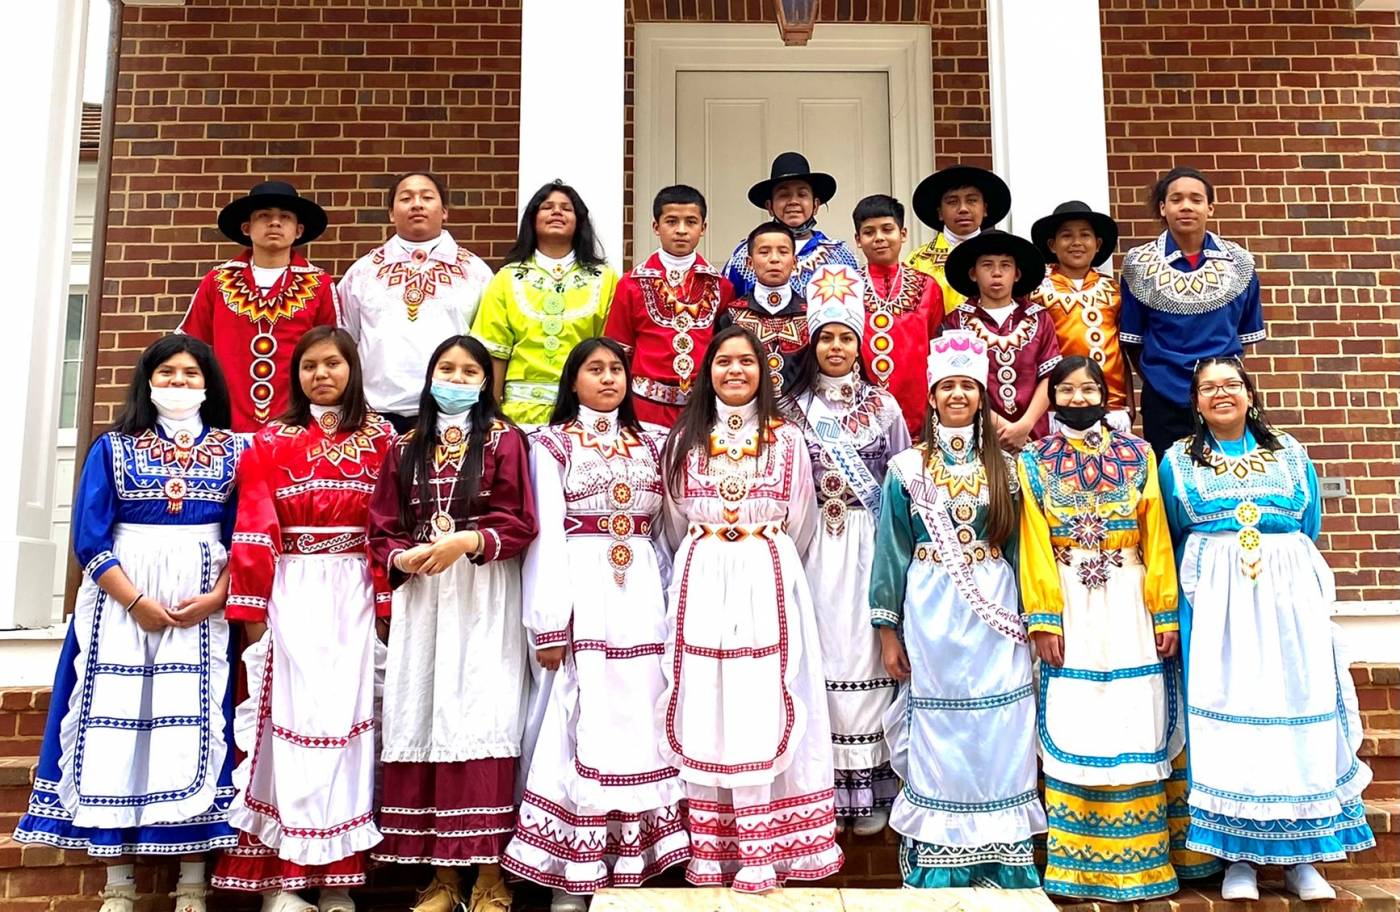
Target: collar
point(458, 421)
point(676, 267)
point(442, 248)
point(1211, 248)
point(327, 417)
point(171, 426)
point(772, 299)
point(244, 260)
point(956, 443)
point(837, 389)
point(954, 240)
point(884, 273)
point(604, 424)
point(655, 268)
point(1237, 447)
point(747, 414)
point(555, 268)
point(1063, 282)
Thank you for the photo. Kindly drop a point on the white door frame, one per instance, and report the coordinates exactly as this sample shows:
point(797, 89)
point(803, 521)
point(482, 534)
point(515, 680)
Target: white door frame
point(903, 52)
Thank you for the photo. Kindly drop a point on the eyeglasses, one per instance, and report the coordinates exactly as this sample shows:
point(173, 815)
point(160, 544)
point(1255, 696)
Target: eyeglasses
point(1086, 391)
point(1229, 387)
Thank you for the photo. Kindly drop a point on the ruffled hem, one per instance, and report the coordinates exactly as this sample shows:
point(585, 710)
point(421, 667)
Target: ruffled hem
point(1006, 865)
point(1108, 776)
point(761, 878)
point(300, 850)
point(1281, 842)
point(1108, 887)
point(105, 843)
point(252, 868)
point(1263, 809)
point(967, 828)
point(860, 757)
point(859, 793)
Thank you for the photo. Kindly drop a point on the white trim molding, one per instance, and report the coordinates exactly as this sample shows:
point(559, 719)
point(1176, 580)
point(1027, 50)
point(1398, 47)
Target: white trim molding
point(1376, 6)
point(1370, 630)
point(903, 52)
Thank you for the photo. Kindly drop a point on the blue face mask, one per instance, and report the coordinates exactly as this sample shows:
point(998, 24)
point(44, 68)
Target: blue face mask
point(454, 398)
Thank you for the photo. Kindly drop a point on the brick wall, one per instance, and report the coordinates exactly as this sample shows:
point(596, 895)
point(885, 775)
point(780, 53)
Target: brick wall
point(1293, 108)
point(361, 91)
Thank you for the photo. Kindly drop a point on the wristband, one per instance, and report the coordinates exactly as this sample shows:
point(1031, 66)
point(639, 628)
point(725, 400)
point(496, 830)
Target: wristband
point(139, 597)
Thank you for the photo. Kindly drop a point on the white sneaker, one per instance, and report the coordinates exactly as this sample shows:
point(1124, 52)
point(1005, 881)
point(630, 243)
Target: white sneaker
point(118, 898)
point(1305, 880)
point(872, 825)
point(562, 901)
point(1240, 882)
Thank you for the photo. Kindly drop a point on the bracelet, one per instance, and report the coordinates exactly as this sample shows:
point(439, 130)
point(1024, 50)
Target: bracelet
point(139, 597)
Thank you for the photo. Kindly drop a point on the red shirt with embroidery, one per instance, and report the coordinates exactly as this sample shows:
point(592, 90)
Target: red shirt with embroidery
point(303, 478)
point(665, 322)
point(253, 333)
point(903, 311)
point(1020, 351)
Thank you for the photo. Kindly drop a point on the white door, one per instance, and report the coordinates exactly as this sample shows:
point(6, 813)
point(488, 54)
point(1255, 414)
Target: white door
point(730, 125)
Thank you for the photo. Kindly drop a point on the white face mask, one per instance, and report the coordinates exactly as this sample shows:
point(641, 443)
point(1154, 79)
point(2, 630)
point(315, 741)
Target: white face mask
point(176, 401)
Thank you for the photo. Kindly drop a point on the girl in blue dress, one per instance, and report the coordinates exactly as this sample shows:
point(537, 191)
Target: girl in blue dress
point(136, 757)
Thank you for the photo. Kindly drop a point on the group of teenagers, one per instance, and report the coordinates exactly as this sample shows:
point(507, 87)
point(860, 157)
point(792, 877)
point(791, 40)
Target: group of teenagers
point(574, 578)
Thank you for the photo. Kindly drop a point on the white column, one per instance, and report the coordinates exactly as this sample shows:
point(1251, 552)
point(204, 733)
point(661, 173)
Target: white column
point(42, 59)
point(571, 111)
point(1048, 138)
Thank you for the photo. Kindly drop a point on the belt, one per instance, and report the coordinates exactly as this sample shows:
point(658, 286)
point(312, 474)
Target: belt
point(658, 391)
point(611, 525)
point(974, 552)
point(323, 540)
point(524, 391)
point(737, 533)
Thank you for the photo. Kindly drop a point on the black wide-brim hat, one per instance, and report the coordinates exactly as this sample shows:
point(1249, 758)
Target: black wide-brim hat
point(790, 166)
point(964, 256)
point(929, 194)
point(1106, 228)
point(269, 195)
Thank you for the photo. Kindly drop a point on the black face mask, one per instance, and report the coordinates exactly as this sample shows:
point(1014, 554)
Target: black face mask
point(1080, 417)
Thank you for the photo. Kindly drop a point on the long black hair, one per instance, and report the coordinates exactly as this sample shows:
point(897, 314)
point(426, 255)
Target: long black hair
point(416, 461)
point(587, 250)
point(138, 413)
point(354, 412)
point(566, 402)
point(698, 417)
point(806, 369)
point(1002, 515)
point(1254, 417)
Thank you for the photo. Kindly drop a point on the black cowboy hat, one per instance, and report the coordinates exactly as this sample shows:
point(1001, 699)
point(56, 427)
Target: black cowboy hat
point(267, 195)
point(792, 166)
point(1106, 228)
point(964, 257)
point(929, 194)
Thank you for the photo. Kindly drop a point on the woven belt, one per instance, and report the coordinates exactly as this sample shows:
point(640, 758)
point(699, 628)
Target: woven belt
point(656, 391)
point(312, 540)
point(611, 525)
point(523, 391)
point(736, 533)
point(973, 553)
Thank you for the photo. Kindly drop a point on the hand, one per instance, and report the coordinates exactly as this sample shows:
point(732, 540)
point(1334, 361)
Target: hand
point(411, 561)
point(444, 552)
point(151, 615)
point(1167, 641)
point(1013, 435)
point(892, 653)
point(254, 630)
point(1050, 647)
point(193, 610)
point(551, 658)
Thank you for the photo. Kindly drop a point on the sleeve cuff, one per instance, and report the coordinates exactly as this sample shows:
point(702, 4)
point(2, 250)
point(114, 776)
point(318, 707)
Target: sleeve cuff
point(1165, 622)
point(1045, 623)
point(496, 350)
point(490, 546)
point(883, 617)
point(246, 608)
point(100, 564)
point(1047, 366)
point(1129, 338)
point(551, 638)
point(1251, 338)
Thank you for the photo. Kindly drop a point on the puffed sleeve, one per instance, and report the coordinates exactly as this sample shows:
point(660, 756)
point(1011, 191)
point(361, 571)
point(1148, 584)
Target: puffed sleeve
point(1251, 328)
point(933, 305)
point(1312, 513)
point(844, 254)
point(1048, 345)
point(548, 599)
point(349, 298)
point(1042, 599)
point(257, 536)
point(620, 326)
point(481, 276)
point(737, 268)
point(239, 444)
point(327, 303)
point(95, 511)
point(897, 438)
point(508, 525)
point(894, 548)
point(199, 318)
point(802, 510)
point(605, 301)
point(1178, 522)
point(492, 324)
point(1159, 585)
point(673, 514)
point(388, 537)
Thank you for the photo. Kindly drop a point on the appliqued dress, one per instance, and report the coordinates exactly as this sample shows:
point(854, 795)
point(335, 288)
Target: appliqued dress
point(903, 311)
point(601, 808)
point(962, 729)
point(1021, 351)
point(456, 682)
point(744, 714)
point(931, 260)
point(784, 333)
point(665, 320)
point(533, 315)
point(254, 332)
point(1097, 569)
point(1086, 324)
point(398, 302)
point(852, 429)
point(136, 756)
point(1273, 717)
point(813, 253)
point(307, 730)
